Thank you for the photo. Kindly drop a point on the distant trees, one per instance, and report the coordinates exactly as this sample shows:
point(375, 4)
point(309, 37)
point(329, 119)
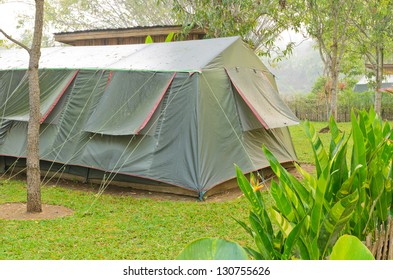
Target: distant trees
point(259, 23)
point(325, 22)
point(373, 21)
point(346, 31)
point(70, 15)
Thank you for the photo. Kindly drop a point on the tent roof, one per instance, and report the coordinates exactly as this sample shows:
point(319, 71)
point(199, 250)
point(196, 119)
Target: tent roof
point(183, 56)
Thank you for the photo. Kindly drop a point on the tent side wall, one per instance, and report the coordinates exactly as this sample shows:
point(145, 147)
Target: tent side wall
point(193, 127)
point(163, 150)
point(222, 138)
point(224, 117)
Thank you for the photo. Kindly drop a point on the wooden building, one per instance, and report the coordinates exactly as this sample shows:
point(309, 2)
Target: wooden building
point(122, 36)
point(387, 68)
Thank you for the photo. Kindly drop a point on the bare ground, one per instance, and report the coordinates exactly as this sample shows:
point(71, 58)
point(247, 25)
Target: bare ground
point(17, 211)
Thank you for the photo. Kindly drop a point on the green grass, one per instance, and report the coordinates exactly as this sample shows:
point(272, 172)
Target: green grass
point(117, 227)
point(125, 227)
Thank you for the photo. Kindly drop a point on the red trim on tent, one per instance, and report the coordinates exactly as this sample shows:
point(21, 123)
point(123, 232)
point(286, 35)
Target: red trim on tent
point(155, 105)
point(58, 98)
point(248, 103)
point(109, 79)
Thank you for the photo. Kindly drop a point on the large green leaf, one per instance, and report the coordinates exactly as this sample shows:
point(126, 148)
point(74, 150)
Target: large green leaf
point(288, 189)
point(283, 203)
point(336, 219)
point(335, 135)
point(213, 249)
point(149, 40)
point(170, 36)
point(248, 191)
point(292, 239)
point(320, 155)
point(283, 224)
point(338, 169)
point(304, 248)
point(256, 200)
point(359, 150)
point(263, 240)
point(349, 247)
point(317, 210)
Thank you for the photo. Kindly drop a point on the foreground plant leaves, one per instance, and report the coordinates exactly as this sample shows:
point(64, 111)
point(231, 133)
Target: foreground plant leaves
point(349, 247)
point(213, 249)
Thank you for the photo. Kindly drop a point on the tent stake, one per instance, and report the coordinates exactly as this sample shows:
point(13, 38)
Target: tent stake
point(87, 176)
point(201, 194)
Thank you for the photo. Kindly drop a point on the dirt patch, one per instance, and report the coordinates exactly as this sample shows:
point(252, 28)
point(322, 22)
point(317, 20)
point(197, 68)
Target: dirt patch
point(17, 211)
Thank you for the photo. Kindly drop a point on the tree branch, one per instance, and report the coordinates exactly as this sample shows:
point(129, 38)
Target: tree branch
point(15, 41)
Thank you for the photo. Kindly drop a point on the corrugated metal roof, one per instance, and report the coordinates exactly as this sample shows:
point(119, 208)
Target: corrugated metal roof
point(362, 85)
point(184, 56)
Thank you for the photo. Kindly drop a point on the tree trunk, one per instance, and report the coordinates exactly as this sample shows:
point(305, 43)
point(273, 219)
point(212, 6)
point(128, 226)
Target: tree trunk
point(33, 131)
point(378, 81)
point(333, 95)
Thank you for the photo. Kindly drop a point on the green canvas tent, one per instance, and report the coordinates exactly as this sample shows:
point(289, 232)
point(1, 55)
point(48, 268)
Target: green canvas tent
point(167, 116)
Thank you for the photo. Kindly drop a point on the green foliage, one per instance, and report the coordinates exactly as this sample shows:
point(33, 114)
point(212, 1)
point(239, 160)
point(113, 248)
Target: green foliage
point(67, 15)
point(169, 38)
point(374, 22)
point(373, 150)
point(308, 220)
point(319, 85)
point(259, 23)
point(149, 40)
point(349, 247)
point(349, 193)
point(212, 249)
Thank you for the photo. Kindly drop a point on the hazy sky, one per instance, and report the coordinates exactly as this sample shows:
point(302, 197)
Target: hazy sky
point(8, 12)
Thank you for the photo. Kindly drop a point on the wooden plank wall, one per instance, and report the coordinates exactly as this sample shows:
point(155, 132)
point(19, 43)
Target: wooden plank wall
point(112, 39)
point(380, 242)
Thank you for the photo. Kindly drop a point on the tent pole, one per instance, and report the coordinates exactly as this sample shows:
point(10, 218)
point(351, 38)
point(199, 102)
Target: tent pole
point(87, 176)
point(3, 166)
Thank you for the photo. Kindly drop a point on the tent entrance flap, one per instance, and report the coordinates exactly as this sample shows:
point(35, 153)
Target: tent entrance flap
point(53, 84)
point(261, 97)
point(129, 102)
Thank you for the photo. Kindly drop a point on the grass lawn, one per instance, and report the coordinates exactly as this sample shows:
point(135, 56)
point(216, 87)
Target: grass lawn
point(124, 227)
point(117, 227)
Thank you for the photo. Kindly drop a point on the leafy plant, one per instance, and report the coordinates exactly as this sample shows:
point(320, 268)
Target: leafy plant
point(308, 225)
point(373, 150)
point(213, 249)
point(345, 196)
